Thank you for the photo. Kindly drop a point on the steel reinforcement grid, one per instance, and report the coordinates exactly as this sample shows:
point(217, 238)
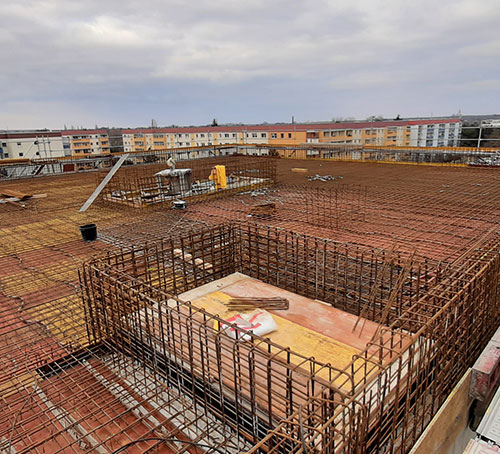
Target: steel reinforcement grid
point(138, 187)
point(435, 317)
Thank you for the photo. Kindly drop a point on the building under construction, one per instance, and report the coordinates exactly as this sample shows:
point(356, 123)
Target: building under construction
point(381, 280)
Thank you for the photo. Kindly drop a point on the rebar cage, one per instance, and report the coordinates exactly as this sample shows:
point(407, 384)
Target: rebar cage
point(139, 186)
point(272, 397)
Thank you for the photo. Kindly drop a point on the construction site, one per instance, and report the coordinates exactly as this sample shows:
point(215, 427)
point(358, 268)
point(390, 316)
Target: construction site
point(243, 304)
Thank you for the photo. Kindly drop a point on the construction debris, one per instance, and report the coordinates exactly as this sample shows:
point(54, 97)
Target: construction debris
point(317, 177)
point(258, 322)
point(15, 194)
point(15, 197)
point(264, 210)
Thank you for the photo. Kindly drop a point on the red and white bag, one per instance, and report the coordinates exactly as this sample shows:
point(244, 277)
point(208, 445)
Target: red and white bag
point(259, 321)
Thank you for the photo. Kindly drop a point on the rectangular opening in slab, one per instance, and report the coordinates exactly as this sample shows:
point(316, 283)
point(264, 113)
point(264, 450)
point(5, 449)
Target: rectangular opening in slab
point(162, 304)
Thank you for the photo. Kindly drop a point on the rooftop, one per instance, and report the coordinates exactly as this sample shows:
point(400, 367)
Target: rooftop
point(61, 393)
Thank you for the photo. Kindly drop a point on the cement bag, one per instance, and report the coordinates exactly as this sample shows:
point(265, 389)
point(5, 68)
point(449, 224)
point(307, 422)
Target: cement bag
point(259, 321)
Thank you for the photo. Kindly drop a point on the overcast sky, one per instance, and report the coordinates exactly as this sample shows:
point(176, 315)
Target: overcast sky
point(122, 63)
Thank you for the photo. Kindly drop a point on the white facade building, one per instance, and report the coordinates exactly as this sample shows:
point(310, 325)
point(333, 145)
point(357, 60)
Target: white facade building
point(435, 135)
point(32, 145)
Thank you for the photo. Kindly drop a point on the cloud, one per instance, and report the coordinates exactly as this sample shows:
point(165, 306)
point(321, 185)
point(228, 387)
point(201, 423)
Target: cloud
point(97, 56)
point(488, 49)
point(484, 85)
point(108, 31)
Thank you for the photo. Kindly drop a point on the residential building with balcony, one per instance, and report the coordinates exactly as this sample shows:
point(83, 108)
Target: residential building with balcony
point(424, 132)
point(87, 141)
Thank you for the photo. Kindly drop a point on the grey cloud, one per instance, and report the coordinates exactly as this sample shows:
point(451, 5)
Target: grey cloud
point(88, 59)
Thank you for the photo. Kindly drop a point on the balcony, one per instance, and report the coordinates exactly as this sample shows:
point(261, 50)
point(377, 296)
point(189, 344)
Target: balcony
point(81, 145)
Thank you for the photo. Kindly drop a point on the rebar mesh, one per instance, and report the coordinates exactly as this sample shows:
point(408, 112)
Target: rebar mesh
point(61, 391)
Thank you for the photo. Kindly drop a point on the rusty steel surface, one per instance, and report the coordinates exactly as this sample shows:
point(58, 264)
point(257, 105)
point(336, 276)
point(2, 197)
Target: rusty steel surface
point(138, 363)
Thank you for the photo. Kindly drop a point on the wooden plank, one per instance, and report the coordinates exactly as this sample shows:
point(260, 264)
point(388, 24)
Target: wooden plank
point(448, 430)
point(16, 194)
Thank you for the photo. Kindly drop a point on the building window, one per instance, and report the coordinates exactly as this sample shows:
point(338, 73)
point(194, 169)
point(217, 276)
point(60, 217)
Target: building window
point(263, 134)
point(282, 135)
point(18, 144)
point(21, 154)
point(37, 153)
point(289, 135)
point(254, 134)
point(226, 135)
point(4, 144)
point(6, 155)
point(274, 135)
point(234, 134)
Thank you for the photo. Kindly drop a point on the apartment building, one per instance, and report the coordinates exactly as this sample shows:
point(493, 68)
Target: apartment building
point(435, 134)
point(162, 138)
point(425, 133)
point(413, 133)
point(83, 142)
point(32, 144)
point(45, 144)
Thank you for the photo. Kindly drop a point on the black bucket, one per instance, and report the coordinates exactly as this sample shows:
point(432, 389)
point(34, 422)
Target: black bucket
point(89, 232)
point(179, 204)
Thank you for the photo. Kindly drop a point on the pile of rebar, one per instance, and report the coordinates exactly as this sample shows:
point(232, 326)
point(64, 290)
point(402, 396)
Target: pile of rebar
point(249, 303)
